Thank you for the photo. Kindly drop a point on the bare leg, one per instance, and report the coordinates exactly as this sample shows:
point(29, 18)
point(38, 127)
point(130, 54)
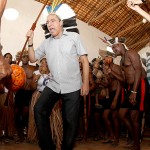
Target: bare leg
point(116, 126)
point(106, 115)
point(136, 132)
point(125, 119)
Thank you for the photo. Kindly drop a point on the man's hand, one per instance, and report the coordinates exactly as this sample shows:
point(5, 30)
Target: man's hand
point(132, 99)
point(135, 2)
point(132, 5)
point(30, 35)
point(114, 104)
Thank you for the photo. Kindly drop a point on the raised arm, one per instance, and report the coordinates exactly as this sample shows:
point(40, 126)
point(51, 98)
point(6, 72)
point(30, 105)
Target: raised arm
point(30, 35)
point(134, 6)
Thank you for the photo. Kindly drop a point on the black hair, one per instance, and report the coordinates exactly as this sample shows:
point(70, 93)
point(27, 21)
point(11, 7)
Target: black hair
point(7, 54)
point(93, 60)
point(101, 62)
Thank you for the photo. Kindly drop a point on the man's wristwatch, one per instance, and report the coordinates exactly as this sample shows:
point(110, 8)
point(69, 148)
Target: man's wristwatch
point(31, 45)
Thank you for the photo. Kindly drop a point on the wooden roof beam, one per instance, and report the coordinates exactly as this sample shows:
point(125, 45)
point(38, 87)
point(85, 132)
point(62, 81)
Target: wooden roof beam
point(140, 33)
point(92, 17)
point(76, 4)
point(90, 10)
point(127, 29)
point(109, 9)
point(121, 24)
point(145, 40)
point(132, 36)
point(81, 6)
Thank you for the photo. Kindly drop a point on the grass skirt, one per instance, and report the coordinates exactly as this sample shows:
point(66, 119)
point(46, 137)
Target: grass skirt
point(7, 114)
point(55, 119)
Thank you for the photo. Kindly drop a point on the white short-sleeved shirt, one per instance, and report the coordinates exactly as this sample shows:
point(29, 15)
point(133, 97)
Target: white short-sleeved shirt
point(43, 80)
point(62, 58)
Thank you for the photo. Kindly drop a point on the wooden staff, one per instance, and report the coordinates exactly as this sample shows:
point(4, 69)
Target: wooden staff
point(32, 28)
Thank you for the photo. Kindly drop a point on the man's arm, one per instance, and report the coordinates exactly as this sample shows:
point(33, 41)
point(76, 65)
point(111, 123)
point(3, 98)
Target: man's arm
point(115, 100)
point(118, 76)
point(136, 63)
point(117, 72)
point(133, 5)
point(85, 75)
point(138, 1)
point(31, 53)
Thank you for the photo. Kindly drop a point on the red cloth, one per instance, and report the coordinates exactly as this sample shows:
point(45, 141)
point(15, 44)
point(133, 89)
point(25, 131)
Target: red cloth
point(143, 90)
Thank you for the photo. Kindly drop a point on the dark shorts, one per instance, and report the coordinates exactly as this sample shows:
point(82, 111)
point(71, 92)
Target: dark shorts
point(108, 101)
point(23, 98)
point(140, 97)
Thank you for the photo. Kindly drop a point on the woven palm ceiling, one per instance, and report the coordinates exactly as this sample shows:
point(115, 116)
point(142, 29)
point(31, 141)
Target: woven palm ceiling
point(114, 18)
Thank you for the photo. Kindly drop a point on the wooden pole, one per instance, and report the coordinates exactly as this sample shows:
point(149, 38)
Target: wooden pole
point(92, 17)
point(106, 11)
point(145, 40)
point(121, 24)
point(32, 28)
point(127, 29)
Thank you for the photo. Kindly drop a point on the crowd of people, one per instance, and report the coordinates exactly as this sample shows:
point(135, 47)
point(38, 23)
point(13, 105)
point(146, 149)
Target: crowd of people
point(117, 101)
point(63, 87)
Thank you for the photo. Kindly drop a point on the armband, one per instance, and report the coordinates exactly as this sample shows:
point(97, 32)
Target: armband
point(133, 92)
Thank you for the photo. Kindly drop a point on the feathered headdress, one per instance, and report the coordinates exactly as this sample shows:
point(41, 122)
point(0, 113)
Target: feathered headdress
point(64, 12)
point(104, 53)
point(115, 40)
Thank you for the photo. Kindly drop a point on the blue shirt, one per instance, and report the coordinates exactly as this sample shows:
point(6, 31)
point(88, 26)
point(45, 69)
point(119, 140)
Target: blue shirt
point(62, 58)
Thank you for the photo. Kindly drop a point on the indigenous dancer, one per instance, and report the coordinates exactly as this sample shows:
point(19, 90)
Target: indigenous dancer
point(134, 88)
point(40, 78)
point(111, 105)
point(7, 124)
point(23, 96)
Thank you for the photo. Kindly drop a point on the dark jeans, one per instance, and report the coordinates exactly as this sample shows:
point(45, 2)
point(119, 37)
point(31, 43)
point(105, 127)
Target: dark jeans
point(70, 115)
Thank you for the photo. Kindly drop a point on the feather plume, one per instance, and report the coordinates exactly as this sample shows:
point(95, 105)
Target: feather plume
point(104, 53)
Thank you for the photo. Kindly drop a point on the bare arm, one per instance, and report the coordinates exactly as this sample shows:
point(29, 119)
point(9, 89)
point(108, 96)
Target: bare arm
point(85, 75)
point(34, 81)
point(115, 100)
point(133, 6)
point(31, 53)
point(118, 73)
point(136, 63)
point(137, 1)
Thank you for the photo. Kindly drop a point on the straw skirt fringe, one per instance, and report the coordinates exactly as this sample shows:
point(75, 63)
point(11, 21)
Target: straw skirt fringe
point(55, 122)
point(7, 114)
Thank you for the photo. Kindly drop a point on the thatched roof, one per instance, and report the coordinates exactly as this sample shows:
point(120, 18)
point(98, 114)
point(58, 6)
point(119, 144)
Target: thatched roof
point(114, 18)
